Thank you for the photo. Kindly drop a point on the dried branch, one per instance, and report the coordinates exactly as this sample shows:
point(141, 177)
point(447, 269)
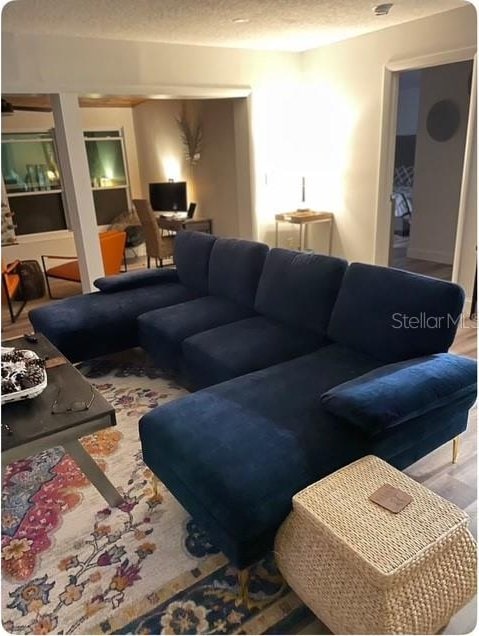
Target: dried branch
point(191, 137)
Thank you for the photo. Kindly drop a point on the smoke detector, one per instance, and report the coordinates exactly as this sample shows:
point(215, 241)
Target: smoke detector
point(382, 9)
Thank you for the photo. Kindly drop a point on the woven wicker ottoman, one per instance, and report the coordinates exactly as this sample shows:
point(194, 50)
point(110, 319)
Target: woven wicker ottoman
point(363, 569)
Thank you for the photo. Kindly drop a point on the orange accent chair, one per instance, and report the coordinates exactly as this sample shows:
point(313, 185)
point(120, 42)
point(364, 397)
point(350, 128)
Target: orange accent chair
point(11, 286)
point(112, 245)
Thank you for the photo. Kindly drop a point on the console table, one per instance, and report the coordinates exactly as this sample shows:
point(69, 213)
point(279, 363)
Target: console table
point(178, 225)
point(303, 218)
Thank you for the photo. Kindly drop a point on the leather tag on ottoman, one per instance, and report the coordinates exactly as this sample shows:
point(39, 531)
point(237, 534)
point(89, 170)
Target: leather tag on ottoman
point(391, 498)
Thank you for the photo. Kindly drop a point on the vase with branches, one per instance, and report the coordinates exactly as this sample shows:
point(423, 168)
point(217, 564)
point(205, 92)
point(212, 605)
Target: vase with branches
point(191, 137)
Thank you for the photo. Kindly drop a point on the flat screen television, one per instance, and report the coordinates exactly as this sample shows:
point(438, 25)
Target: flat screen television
point(167, 197)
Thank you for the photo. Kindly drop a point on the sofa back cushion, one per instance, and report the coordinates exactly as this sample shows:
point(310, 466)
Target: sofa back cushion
point(299, 289)
point(192, 256)
point(235, 268)
point(394, 315)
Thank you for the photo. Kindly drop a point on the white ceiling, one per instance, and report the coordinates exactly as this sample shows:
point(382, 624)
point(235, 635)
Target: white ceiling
point(288, 25)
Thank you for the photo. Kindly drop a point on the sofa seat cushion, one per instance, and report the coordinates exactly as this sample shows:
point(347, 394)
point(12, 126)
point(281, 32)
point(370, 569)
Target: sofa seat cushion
point(95, 324)
point(240, 347)
point(395, 393)
point(162, 331)
point(394, 315)
point(234, 454)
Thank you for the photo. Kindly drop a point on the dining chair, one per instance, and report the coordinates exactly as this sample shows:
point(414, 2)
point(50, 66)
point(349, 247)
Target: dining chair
point(157, 246)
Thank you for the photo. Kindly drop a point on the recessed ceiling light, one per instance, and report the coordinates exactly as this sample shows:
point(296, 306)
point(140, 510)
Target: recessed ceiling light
point(382, 9)
point(240, 20)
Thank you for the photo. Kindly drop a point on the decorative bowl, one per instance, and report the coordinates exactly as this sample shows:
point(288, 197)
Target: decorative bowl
point(22, 394)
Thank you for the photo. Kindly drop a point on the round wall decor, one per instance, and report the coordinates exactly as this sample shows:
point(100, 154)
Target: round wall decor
point(443, 120)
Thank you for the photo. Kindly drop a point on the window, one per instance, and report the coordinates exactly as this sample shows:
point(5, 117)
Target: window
point(109, 179)
point(29, 163)
point(105, 159)
point(33, 181)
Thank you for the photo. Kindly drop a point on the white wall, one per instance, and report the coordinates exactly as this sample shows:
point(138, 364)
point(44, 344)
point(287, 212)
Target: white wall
point(345, 87)
point(61, 244)
point(161, 154)
point(215, 176)
point(50, 63)
point(438, 166)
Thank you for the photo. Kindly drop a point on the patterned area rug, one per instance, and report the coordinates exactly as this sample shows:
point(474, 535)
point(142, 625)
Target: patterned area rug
point(71, 565)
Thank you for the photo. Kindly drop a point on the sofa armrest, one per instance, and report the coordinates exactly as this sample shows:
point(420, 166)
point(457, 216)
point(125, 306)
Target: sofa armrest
point(132, 280)
point(395, 393)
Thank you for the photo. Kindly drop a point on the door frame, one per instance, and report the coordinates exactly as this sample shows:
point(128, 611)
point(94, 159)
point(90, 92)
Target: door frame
point(389, 113)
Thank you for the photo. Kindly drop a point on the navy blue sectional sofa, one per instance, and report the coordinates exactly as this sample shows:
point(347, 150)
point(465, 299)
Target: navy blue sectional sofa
point(304, 364)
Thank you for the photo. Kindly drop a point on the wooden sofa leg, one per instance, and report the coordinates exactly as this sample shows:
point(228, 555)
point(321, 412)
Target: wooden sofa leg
point(243, 580)
point(455, 449)
point(156, 485)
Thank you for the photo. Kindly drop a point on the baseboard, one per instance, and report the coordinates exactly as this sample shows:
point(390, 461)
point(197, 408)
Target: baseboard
point(436, 256)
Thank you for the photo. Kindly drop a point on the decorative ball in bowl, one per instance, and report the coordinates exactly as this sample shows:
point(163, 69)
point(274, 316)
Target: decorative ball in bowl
point(23, 375)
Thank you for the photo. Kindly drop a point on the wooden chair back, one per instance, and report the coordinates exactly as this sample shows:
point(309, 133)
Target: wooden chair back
point(156, 247)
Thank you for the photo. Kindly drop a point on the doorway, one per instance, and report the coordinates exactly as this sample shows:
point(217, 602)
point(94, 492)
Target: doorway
point(431, 131)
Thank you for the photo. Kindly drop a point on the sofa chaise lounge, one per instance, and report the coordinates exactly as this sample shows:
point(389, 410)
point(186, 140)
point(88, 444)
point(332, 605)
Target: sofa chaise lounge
point(304, 364)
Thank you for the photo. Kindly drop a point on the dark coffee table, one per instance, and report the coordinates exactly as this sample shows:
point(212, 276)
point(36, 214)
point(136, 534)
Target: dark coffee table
point(29, 426)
